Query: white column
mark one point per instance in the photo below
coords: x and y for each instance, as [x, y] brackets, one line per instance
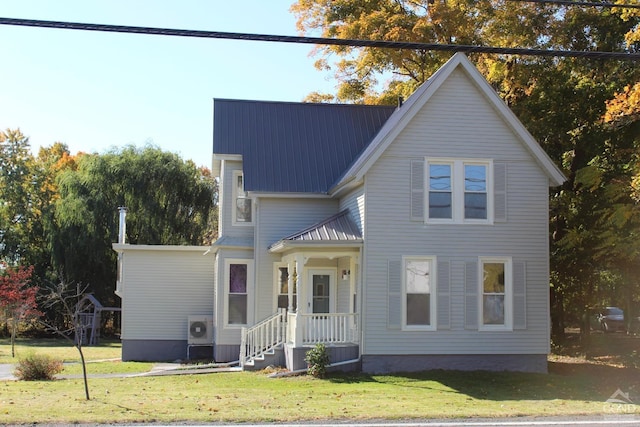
[290, 269]
[352, 283]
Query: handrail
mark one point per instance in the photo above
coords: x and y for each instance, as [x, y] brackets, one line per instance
[328, 328]
[263, 336]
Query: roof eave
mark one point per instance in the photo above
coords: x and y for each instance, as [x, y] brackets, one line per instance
[285, 245]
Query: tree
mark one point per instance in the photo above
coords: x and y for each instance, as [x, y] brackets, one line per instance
[169, 202]
[17, 299]
[16, 194]
[64, 299]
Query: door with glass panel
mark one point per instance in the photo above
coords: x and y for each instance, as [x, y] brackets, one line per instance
[322, 283]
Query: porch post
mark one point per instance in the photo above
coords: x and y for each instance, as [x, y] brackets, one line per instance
[301, 297]
[352, 283]
[290, 269]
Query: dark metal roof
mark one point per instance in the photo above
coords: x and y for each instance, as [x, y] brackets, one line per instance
[339, 227]
[294, 147]
[337, 230]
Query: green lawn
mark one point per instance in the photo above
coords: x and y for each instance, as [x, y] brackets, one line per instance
[59, 349]
[573, 386]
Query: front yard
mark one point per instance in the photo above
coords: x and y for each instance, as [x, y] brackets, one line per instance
[574, 385]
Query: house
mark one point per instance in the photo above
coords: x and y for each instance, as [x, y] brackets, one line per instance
[404, 238]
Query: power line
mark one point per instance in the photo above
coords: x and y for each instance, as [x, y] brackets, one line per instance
[583, 3]
[319, 40]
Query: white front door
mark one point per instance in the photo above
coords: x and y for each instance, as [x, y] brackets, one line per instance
[323, 282]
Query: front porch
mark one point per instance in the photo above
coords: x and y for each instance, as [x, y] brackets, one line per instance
[318, 280]
[284, 338]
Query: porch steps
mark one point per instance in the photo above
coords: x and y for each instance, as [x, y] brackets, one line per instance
[261, 345]
[273, 357]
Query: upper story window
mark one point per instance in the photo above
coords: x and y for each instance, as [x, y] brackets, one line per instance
[460, 191]
[440, 190]
[243, 205]
[475, 191]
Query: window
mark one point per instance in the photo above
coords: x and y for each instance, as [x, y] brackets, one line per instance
[459, 191]
[243, 206]
[475, 191]
[440, 201]
[282, 282]
[237, 281]
[496, 291]
[419, 300]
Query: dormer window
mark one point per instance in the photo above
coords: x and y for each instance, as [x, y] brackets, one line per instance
[243, 206]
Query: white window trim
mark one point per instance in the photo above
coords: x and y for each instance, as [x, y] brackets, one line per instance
[276, 283]
[432, 294]
[227, 267]
[508, 294]
[234, 196]
[457, 190]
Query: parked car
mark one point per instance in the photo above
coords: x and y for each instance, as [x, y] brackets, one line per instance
[611, 319]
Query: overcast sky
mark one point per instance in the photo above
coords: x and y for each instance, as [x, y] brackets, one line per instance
[94, 91]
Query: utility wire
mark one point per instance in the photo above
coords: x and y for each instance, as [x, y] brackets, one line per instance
[319, 40]
[583, 3]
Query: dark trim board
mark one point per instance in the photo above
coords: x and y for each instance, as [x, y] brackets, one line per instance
[382, 364]
[153, 350]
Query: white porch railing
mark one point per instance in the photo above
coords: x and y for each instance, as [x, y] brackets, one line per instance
[326, 328]
[263, 337]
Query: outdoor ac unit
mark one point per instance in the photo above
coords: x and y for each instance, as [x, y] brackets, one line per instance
[200, 330]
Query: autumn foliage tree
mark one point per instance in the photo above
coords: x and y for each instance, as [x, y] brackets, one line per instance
[17, 299]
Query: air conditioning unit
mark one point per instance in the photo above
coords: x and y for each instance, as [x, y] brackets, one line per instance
[200, 330]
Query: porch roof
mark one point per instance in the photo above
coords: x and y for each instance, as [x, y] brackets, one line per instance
[338, 230]
[233, 242]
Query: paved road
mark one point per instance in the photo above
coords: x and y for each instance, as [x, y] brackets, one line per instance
[6, 372]
[594, 421]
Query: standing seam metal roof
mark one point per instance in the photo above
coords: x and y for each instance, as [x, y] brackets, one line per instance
[294, 147]
[339, 227]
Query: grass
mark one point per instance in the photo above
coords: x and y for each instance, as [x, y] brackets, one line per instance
[575, 385]
[58, 348]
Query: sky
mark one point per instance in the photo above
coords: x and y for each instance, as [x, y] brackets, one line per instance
[99, 91]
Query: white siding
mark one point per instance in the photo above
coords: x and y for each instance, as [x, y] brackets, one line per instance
[279, 218]
[161, 288]
[226, 202]
[457, 122]
[354, 202]
[229, 334]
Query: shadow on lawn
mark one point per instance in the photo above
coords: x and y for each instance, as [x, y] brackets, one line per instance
[593, 379]
[585, 382]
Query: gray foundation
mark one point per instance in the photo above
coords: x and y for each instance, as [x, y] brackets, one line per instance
[226, 353]
[295, 357]
[154, 350]
[382, 364]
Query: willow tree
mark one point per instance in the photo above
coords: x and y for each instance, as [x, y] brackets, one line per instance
[170, 202]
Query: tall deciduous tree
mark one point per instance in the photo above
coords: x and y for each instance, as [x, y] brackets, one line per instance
[17, 299]
[169, 201]
[16, 194]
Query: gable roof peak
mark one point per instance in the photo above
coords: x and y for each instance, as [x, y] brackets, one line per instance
[401, 117]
